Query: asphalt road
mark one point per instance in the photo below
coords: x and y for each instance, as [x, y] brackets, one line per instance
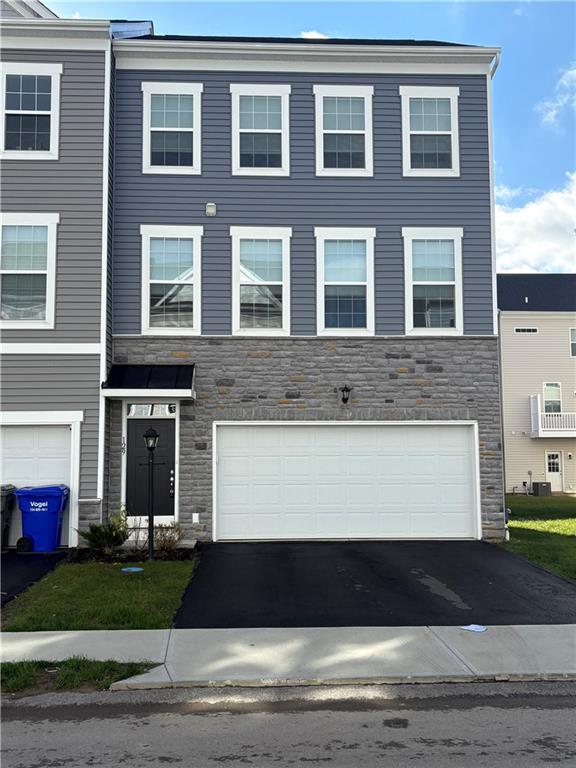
[516, 725]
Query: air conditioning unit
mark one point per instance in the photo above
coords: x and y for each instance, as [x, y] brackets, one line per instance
[542, 489]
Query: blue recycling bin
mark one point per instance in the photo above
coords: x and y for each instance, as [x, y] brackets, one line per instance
[42, 512]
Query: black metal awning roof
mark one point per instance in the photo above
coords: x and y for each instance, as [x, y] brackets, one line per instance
[173, 380]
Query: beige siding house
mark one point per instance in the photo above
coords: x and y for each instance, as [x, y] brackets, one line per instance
[538, 368]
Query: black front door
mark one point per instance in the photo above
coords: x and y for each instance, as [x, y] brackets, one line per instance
[137, 468]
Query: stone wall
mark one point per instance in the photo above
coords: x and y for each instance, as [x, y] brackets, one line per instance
[299, 379]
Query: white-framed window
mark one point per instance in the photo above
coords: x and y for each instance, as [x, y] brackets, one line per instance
[552, 397]
[261, 280]
[28, 270]
[572, 342]
[260, 129]
[345, 281]
[30, 110]
[525, 330]
[171, 280]
[430, 145]
[433, 280]
[344, 130]
[172, 128]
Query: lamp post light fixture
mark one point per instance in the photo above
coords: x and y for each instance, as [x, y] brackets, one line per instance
[346, 390]
[151, 441]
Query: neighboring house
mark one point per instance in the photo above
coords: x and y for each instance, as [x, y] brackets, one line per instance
[291, 220]
[54, 322]
[538, 364]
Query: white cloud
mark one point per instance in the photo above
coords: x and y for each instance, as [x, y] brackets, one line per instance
[518, 11]
[313, 34]
[540, 235]
[564, 98]
[505, 193]
[76, 15]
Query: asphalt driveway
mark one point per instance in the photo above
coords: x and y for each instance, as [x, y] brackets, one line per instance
[362, 584]
[20, 570]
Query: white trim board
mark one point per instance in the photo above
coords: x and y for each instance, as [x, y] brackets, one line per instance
[55, 418]
[50, 348]
[146, 394]
[356, 424]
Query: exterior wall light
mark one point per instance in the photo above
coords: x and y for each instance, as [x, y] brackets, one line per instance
[345, 393]
[211, 209]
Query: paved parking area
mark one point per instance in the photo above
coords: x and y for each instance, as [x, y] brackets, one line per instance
[370, 584]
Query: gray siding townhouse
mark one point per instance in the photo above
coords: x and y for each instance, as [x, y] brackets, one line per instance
[55, 91]
[304, 288]
[277, 253]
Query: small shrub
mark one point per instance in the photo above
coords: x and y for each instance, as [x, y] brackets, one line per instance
[167, 537]
[107, 538]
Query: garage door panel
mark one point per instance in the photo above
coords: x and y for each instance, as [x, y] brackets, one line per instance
[345, 481]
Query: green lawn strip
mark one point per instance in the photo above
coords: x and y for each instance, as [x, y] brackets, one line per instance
[541, 507]
[71, 674]
[100, 596]
[550, 543]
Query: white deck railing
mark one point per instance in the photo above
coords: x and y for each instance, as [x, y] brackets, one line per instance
[543, 424]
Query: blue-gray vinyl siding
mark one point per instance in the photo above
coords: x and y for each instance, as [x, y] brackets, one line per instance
[387, 201]
[71, 186]
[58, 383]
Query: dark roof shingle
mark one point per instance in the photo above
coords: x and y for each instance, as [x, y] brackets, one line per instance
[537, 292]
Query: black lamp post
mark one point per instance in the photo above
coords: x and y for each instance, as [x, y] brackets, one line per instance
[151, 441]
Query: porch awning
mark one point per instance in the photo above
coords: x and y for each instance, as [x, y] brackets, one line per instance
[150, 381]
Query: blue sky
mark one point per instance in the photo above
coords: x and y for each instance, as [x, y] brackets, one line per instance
[534, 88]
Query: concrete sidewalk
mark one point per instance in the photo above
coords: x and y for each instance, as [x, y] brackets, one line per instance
[314, 656]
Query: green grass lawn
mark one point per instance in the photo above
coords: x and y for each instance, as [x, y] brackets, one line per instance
[69, 675]
[543, 529]
[101, 596]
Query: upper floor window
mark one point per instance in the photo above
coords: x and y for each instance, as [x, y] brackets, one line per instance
[260, 130]
[28, 270]
[572, 342]
[433, 280]
[261, 280]
[30, 111]
[345, 281]
[430, 144]
[344, 130]
[171, 140]
[552, 397]
[171, 258]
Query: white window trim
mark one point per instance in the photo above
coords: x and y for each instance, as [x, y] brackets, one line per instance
[357, 91]
[551, 384]
[179, 89]
[410, 234]
[250, 89]
[261, 233]
[408, 92]
[55, 72]
[49, 220]
[571, 341]
[148, 231]
[344, 233]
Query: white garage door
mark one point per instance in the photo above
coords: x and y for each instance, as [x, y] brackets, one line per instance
[358, 481]
[35, 456]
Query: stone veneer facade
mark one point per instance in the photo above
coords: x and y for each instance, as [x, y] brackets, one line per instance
[245, 379]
